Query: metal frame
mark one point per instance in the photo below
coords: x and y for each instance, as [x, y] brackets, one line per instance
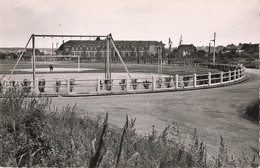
[109, 40]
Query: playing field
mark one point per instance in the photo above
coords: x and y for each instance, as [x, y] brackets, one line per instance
[67, 67]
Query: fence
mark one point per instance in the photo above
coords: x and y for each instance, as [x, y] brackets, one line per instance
[228, 74]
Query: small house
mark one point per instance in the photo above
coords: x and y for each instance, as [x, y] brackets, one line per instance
[186, 49]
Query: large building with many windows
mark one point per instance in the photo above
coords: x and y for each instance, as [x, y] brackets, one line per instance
[97, 48]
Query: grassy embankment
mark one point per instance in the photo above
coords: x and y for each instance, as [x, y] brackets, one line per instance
[34, 134]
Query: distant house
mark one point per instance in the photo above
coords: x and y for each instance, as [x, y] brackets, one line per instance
[186, 49]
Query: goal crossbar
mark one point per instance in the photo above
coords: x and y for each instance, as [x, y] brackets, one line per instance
[80, 36]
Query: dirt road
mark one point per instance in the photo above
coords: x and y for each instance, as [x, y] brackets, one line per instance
[213, 112]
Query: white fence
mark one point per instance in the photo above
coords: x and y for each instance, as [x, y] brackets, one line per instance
[99, 86]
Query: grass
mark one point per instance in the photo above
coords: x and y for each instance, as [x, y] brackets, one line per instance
[34, 134]
[116, 67]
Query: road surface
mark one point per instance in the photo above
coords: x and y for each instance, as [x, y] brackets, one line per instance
[213, 112]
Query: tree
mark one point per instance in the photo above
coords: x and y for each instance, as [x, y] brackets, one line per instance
[201, 53]
[2, 55]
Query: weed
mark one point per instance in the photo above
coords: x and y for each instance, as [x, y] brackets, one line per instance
[34, 135]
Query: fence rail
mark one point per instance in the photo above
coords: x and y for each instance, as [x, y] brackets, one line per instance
[65, 87]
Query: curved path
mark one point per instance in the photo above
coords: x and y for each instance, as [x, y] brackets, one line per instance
[213, 112]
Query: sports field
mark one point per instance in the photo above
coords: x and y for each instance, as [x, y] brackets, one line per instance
[67, 67]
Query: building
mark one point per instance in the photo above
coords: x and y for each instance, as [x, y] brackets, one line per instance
[97, 48]
[186, 49]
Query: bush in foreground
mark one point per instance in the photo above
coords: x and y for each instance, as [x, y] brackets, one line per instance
[251, 110]
[34, 135]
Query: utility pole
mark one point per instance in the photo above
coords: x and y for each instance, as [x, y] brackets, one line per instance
[108, 74]
[51, 49]
[214, 58]
[159, 52]
[33, 58]
[169, 54]
[209, 48]
[170, 44]
[180, 41]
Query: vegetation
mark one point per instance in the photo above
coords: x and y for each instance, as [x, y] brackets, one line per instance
[34, 134]
[134, 83]
[146, 84]
[168, 81]
[108, 84]
[251, 110]
[247, 54]
[122, 84]
[159, 83]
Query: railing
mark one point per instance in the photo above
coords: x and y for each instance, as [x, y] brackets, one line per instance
[230, 74]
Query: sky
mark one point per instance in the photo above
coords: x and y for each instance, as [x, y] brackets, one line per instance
[234, 21]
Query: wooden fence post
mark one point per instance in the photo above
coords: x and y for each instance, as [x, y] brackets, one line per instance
[68, 86]
[229, 76]
[98, 85]
[153, 85]
[235, 75]
[195, 79]
[127, 84]
[209, 78]
[176, 81]
[221, 77]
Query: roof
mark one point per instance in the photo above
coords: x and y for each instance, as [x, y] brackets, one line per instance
[186, 47]
[103, 42]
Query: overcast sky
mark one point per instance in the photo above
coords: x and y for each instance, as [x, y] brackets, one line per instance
[234, 21]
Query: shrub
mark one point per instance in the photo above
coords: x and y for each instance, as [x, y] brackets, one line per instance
[146, 84]
[168, 81]
[26, 84]
[108, 84]
[134, 83]
[159, 83]
[41, 85]
[251, 110]
[57, 85]
[122, 84]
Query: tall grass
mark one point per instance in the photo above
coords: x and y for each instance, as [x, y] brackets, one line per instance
[32, 134]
